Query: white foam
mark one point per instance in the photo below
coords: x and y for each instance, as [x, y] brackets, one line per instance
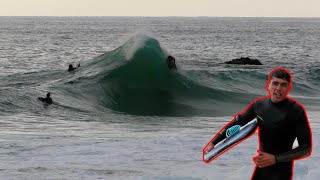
[306, 169]
[136, 41]
[245, 172]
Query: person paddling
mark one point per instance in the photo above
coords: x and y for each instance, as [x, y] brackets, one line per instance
[171, 61]
[71, 68]
[47, 99]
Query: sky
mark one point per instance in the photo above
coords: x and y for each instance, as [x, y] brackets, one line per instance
[220, 8]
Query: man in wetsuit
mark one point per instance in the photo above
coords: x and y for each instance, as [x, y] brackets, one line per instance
[171, 62]
[47, 100]
[280, 121]
[71, 68]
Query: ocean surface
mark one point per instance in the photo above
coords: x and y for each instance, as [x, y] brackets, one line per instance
[123, 114]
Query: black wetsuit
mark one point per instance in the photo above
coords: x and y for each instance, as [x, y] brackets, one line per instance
[47, 100]
[279, 124]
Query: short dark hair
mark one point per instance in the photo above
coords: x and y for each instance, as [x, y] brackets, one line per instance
[281, 73]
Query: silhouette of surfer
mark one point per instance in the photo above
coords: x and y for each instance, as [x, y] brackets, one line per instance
[171, 61]
[71, 68]
[47, 99]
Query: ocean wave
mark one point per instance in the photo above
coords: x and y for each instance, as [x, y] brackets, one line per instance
[135, 79]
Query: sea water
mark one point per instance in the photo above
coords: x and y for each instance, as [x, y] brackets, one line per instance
[123, 114]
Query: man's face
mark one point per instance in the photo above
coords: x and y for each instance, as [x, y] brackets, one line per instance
[278, 89]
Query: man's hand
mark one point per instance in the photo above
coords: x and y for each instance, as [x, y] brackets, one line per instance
[264, 160]
[208, 148]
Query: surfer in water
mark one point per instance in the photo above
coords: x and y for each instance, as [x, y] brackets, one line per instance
[280, 121]
[47, 99]
[171, 61]
[71, 68]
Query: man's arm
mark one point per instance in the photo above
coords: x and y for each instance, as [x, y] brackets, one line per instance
[303, 132]
[241, 119]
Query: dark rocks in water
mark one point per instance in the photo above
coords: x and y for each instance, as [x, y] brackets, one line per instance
[244, 61]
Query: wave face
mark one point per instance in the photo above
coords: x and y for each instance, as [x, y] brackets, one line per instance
[134, 79]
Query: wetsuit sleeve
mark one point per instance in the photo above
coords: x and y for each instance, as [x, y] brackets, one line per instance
[303, 134]
[241, 119]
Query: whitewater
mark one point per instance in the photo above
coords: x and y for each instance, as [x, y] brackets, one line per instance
[123, 114]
